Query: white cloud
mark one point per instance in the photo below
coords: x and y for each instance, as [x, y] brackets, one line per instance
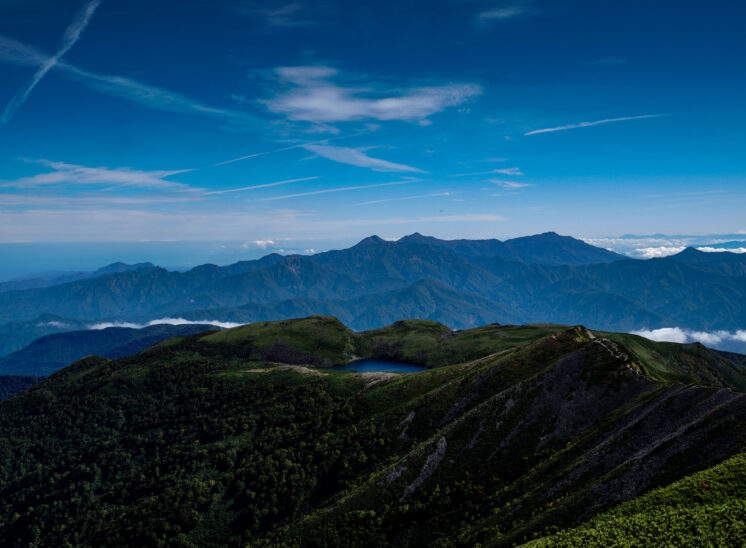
[664, 334]
[679, 335]
[162, 321]
[357, 157]
[509, 184]
[594, 123]
[657, 252]
[503, 13]
[666, 251]
[312, 97]
[261, 244]
[64, 173]
[708, 249]
[54, 323]
[72, 34]
[287, 15]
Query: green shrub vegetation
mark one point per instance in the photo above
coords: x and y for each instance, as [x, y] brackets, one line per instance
[704, 509]
[250, 437]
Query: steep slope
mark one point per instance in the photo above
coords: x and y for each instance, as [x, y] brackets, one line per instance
[468, 248]
[119, 295]
[375, 259]
[52, 352]
[425, 299]
[547, 248]
[704, 509]
[551, 248]
[250, 436]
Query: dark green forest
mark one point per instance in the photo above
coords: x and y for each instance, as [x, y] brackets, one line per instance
[251, 437]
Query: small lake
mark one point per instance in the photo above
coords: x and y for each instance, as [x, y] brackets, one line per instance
[381, 365]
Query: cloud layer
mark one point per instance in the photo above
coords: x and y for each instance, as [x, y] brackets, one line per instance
[679, 335]
[161, 321]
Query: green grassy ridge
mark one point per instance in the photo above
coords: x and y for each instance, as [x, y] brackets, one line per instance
[504, 509]
[674, 362]
[324, 341]
[705, 509]
[202, 441]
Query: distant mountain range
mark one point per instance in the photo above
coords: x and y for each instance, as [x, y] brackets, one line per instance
[461, 283]
[47, 354]
[48, 280]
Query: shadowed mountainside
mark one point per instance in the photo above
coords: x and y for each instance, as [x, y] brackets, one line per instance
[250, 436]
[52, 352]
[461, 283]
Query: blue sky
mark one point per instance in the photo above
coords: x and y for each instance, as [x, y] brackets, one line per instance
[289, 120]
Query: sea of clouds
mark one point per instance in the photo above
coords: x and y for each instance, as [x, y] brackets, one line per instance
[679, 335]
[169, 321]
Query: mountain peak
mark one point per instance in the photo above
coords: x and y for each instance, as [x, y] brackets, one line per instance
[370, 240]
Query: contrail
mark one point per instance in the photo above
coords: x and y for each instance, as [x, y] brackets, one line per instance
[289, 148]
[344, 189]
[594, 123]
[72, 34]
[260, 186]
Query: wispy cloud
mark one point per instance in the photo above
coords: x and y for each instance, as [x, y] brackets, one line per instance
[506, 11]
[72, 34]
[502, 171]
[330, 190]
[509, 184]
[500, 14]
[72, 174]
[594, 123]
[313, 97]
[417, 197]
[290, 147]
[285, 15]
[278, 183]
[356, 157]
[100, 199]
[129, 89]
